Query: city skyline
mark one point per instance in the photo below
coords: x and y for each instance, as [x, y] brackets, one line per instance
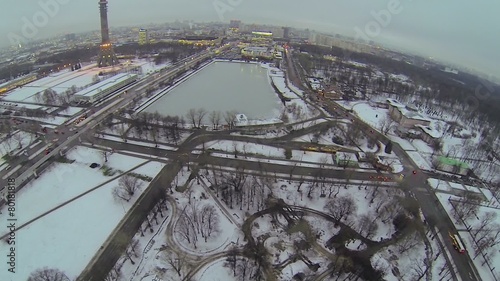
[463, 37]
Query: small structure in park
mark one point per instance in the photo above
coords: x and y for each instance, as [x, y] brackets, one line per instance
[452, 165]
[346, 159]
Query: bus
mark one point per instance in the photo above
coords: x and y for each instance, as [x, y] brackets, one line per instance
[457, 243]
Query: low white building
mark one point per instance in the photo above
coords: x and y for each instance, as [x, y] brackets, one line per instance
[429, 135]
[257, 52]
[406, 117]
[346, 159]
[104, 88]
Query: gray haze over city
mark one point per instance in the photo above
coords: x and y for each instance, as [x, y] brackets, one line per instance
[462, 33]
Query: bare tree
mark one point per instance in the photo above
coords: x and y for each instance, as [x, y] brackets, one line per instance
[49, 97]
[200, 114]
[409, 242]
[127, 186]
[191, 116]
[154, 135]
[105, 154]
[134, 247]
[367, 225]
[19, 137]
[486, 220]
[385, 124]
[209, 221]
[341, 207]
[38, 97]
[156, 117]
[122, 131]
[229, 117]
[465, 208]
[177, 261]
[187, 229]
[354, 134]
[130, 184]
[390, 209]
[48, 274]
[215, 117]
[419, 268]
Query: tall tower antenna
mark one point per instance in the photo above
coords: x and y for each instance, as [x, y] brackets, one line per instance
[107, 56]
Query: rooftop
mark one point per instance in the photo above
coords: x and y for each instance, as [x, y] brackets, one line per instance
[430, 131]
[453, 162]
[105, 84]
[395, 103]
[412, 114]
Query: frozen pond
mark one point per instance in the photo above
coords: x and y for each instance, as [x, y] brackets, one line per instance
[223, 86]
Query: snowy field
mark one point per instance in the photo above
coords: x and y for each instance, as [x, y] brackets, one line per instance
[85, 222]
[370, 115]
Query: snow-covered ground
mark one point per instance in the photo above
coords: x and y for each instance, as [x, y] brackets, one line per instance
[279, 80]
[84, 223]
[18, 139]
[215, 272]
[474, 222]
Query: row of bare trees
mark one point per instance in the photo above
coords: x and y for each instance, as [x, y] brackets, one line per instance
[243, 269]
[486, 233]
[51, 97]
[196, 117]
[198, 220]
[239, 189]
[48, 274]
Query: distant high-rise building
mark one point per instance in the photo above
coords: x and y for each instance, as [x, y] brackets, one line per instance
[107, 56]
[286, 32]
[143, 36]
[70, 37]
[235, 24]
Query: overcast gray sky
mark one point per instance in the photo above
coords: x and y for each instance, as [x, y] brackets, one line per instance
[456, 31]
